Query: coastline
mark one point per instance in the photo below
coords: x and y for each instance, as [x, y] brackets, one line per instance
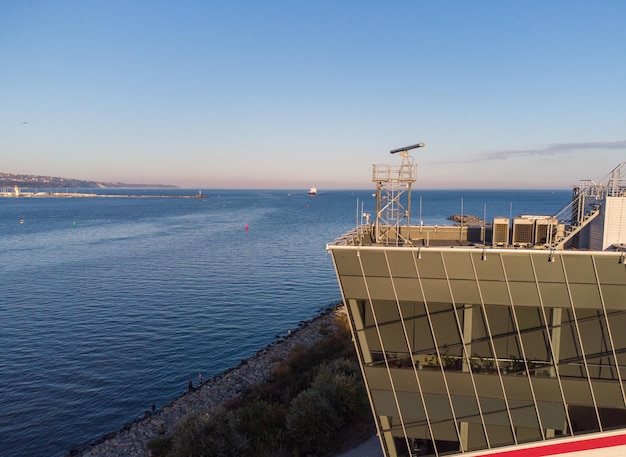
[132, 439]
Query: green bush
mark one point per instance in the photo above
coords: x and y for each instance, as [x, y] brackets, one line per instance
[215, 434]
[312, 421]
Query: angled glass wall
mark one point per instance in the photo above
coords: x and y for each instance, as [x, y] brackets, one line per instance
[464, 351]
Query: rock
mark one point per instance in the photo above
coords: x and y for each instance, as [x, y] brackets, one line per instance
[466, 219]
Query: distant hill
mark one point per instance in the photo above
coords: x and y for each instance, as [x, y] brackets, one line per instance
[50, 182]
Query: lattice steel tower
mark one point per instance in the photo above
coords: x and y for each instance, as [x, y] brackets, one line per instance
[393, 198]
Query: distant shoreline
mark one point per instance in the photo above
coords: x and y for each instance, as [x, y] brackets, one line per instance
[90, 195]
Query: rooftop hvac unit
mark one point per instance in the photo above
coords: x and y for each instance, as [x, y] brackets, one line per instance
[543, 227]
[500, 236]
[523, 229]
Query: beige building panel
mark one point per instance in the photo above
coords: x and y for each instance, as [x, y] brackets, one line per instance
[407, 289]
[524, 293]
[614, 297]
[353, 287]
[431, 264]
[518, 267]
[436, 290]
[380, 288]
[580, 269]
[610, 270]
[465, 292]
[548, 271]
[586, 296]
[489, 269]
[347, 262]
[494, 293]
[374, 263]
[402, 263]
[554, 295]
[458, 265]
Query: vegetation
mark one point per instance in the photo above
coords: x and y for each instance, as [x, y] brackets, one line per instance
[314, 400]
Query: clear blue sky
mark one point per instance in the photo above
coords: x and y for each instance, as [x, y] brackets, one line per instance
[290, 94]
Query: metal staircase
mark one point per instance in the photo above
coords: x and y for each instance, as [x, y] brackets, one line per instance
[586, 206]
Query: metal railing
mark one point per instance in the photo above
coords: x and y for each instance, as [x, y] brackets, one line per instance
[585, 205]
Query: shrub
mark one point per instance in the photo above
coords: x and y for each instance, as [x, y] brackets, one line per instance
[312, 422]
[215, 434]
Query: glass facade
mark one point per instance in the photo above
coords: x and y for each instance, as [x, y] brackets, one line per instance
[464, 350]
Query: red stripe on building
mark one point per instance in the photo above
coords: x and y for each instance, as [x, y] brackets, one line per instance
[563, 448]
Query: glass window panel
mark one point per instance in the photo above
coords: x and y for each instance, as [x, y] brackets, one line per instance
[571, 363]
[553, 417]
[371, 338]
[385, 311]
[524, 417]
[446, 431]
[617, 323]
[411, 309]
[607, 394]
[499, 320]
[537, 350]
[621, 362]
[584, 419]
[393, 338]
[529, 318]
[411, 406]
[420, 336]
[357, 310]
[446, 330]
[384, 403]
[476, 436]
[499, 435]
[612, 418]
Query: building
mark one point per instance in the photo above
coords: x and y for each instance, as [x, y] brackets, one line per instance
[507, 340]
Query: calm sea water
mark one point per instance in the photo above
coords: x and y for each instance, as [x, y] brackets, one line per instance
[110, 305]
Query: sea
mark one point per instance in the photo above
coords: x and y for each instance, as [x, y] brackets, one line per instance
[110, 305]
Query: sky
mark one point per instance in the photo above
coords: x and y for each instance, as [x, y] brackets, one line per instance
[293, 94]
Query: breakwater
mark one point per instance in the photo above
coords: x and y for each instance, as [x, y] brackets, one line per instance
[133, 438]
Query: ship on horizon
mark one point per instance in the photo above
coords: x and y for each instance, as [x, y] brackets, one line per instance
[492, 340]
[313, 191]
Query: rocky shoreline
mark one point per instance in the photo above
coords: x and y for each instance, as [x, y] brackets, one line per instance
[133, 438]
